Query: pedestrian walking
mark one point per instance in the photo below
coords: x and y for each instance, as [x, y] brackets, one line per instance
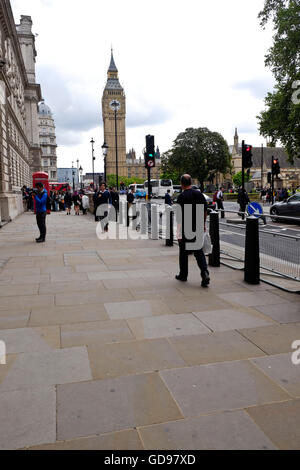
[115, 200]
[103, 199]
[243, 200]
[68, 202]
[85, 203]
[130, 202]
[77, 202]
[190, 197]
[219, 201]
[168, 199]
[41, 197]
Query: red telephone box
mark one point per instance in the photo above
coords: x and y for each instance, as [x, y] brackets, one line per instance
[43, 178]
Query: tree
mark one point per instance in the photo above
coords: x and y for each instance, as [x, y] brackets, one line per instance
[237, 178]
[112, 180]
[281, 119]
[199, 152]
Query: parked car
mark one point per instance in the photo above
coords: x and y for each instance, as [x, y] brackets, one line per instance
[288, 208]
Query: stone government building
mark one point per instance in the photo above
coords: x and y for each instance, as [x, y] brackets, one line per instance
[20, 152]
[128, 165]
[289, 174]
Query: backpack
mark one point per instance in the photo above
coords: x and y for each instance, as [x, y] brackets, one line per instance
[215, 196]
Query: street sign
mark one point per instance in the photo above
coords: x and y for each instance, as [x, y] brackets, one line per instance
[255, 209]
[150, 163]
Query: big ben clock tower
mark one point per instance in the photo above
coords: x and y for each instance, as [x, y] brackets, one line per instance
[114, 99]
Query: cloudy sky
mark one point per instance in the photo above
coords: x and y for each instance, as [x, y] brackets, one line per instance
[182, 64]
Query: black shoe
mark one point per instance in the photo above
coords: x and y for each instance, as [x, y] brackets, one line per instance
[38, 239]
[41, 240]
[205, 279]
[182, 279]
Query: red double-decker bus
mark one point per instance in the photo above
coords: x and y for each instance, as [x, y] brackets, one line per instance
[60, 187]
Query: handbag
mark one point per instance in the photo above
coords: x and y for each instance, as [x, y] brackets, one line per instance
[207, 246]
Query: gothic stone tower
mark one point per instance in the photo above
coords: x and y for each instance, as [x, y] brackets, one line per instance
[114, 91]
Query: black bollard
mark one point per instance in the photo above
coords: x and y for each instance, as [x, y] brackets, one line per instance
[169, 227]
[214, 257]
[252, 262]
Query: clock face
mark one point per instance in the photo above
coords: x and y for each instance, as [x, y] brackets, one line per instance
[115, 105]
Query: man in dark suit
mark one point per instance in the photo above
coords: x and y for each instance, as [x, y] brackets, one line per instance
[190, 197]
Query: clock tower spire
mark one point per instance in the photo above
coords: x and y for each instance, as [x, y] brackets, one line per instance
[113, 92]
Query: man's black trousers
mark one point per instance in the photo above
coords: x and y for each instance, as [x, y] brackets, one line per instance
[184, 260]
[41, 222]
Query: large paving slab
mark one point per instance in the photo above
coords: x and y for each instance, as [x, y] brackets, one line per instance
[253, 299]
[221, 431]
[67, 315]
[25, 301]
[95, 333]
[220, 387]
[136, 309]
[281, 369]
[47, 368]
[22, 340]
[67, 287]
[287, 313]
[280, 422]
[27, 418]
[135, 357]
[166, 326]
[274, 339]
[217, 347]
[205, 301]
[112, 405]
[232, 319]
[121, 440]
[93, 297]
[14, 319]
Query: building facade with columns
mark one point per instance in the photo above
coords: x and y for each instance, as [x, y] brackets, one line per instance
[19, 95]
[128, 165]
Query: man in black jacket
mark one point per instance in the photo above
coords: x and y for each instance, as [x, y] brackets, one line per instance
[187, 225]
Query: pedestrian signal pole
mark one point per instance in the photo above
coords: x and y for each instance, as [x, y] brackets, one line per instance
[149, 160]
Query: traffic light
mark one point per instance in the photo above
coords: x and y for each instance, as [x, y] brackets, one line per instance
[150, 152]
[247, 156]
[269, 177]
[275, 166]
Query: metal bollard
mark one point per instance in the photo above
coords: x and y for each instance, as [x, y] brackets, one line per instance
[252, 261]
[214, 257]
[154, 222]
[169, 226]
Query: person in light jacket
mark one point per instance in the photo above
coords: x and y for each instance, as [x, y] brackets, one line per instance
[85, 203]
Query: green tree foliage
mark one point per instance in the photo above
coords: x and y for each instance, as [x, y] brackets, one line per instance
[281, 119]
[198, 152]
[237, 178]
[112, 180]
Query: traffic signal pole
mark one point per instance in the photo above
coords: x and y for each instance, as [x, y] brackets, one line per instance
[243, 165]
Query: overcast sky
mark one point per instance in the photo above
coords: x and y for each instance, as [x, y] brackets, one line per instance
[182, 64]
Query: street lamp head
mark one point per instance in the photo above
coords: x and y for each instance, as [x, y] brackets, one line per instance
[92, 141]
[104, 149]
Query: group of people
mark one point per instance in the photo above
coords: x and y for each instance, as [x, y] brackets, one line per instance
[278, 195]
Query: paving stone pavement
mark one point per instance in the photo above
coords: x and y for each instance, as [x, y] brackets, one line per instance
[106, 350]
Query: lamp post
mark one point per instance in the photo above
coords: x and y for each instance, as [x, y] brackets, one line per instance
[115, 106]
[80, 172]
[104, 151]
[73, 175]
[93, 160]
